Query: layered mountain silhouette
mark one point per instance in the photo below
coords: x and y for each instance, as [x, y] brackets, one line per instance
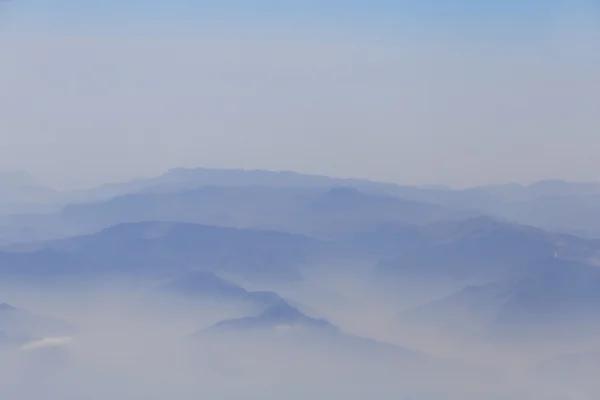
[505, 264]
[283, 324]
[305, 210]
[262, 225]
[157, 247]
[482, 249]
[283, 331]
[280, 315]
[571, 207]
[182, 179]
[201, 285]
[470, 250]
[559, 300]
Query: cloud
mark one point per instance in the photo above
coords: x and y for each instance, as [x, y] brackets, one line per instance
[47, 343]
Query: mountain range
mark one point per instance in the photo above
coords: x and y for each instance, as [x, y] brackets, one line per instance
[513, 253]
[313, 211]
[569, 207]
[151, 248]
[558, 299]
[207, 286]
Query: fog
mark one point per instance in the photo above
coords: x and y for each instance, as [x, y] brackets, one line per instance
[130, 344]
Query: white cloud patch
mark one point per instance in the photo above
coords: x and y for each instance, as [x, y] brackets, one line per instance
[47, 343]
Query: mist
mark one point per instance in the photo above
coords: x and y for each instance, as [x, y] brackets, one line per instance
[132, 340]
[125, 347]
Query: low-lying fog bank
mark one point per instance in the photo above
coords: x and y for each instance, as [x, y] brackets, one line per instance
[122, 341]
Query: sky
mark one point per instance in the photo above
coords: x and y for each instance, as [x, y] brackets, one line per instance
[458, 93]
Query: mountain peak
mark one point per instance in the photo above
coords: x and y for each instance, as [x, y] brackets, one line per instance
[275, 316]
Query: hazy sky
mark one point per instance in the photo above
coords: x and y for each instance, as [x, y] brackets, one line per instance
[444, 92]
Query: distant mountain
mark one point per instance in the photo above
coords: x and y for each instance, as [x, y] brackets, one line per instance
[482, 249]
[186, 179]
[575, 214]
[557, 299]
[570, 207]
[233, 207]
[134, 206]
[151, 248]
[284, 333]
[281, 315]
[344, 209]
[190, 178]
[473, 250]
[203, 285]
[288, 325]
[311, 211]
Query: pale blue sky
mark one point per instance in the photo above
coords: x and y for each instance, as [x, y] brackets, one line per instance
[500, 16]
[277, 7]
[449, 92]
